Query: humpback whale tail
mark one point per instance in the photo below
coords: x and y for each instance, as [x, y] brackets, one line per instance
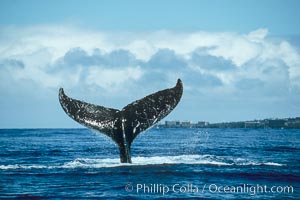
[122, 126]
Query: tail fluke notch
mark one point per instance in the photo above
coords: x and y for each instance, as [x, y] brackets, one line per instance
[123, 125]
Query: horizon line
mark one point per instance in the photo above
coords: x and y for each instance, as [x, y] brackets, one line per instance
[159, 123]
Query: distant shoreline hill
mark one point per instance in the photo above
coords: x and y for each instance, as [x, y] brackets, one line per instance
[286, 123]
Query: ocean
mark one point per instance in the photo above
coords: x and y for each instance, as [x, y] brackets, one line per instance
[167, 163]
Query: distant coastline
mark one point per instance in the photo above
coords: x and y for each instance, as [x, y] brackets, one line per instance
[285, 123]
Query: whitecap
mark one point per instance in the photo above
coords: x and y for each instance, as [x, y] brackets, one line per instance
[273, 164]
[143, 161]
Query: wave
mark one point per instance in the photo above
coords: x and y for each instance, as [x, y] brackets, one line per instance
[143, 161]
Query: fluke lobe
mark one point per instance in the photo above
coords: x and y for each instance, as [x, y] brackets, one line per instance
[123, 125]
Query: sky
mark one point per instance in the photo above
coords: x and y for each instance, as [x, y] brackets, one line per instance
[238, 60]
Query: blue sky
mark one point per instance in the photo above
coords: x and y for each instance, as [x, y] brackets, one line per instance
[279, 16]
[239, 60]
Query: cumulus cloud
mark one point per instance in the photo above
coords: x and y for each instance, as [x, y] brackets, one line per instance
[221, 65]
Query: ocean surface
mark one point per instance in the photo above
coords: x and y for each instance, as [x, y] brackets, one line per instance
[167, 163]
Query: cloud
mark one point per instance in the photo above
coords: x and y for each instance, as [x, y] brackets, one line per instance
[211, 63]
[166, 59]
[115, 58]
[12, 64]
[249, 84]
[102, 77]
[220, 65]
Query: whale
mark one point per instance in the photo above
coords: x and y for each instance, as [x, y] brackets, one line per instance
[124, 125]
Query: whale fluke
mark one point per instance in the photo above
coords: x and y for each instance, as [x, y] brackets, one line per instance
[123, 125]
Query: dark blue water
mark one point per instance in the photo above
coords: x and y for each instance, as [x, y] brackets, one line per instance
[168, 163]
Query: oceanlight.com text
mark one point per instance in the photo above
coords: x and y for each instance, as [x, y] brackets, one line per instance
[163, 189]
